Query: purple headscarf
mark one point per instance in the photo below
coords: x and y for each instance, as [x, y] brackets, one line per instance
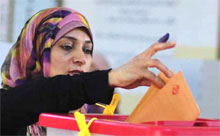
[29, 57]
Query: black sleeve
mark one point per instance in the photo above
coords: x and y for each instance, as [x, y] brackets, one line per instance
[21, 106]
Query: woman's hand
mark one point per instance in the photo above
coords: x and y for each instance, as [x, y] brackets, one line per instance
[136, 73]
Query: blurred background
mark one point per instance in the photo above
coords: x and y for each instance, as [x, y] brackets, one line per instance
[124, 28]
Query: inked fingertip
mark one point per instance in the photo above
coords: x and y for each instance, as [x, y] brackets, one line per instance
[164, 38]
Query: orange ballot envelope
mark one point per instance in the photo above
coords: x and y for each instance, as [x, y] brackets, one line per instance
[172, 102]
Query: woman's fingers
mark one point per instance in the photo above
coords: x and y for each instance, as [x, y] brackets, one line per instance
[145, 83]
[158, 47]
[148, 75]
[155, 63]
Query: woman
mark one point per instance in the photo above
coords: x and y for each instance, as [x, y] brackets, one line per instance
[47, 70]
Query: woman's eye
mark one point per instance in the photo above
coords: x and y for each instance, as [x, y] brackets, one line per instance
[87, 51]
[67, 47]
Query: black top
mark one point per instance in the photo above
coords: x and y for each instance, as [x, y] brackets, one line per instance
[21, 106]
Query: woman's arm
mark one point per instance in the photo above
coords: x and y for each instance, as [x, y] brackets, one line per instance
[21, 106]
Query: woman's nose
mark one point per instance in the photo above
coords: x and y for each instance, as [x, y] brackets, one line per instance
[79, 57]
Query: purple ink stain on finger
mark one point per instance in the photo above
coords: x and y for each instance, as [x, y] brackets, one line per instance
[164, 38]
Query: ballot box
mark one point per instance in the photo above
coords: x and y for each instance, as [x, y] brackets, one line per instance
[66, 124]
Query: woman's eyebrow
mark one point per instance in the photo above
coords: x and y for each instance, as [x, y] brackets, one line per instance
[69, 37]
[73, 38]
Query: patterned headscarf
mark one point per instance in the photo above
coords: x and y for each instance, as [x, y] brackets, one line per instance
[29, 57]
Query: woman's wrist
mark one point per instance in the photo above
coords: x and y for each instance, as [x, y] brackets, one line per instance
[112, 78]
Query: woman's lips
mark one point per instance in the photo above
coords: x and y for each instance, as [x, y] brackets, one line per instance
[73, 72]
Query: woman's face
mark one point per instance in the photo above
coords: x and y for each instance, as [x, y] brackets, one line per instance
[71, 54]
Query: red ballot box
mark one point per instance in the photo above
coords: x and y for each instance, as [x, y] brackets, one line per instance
[65, 124]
